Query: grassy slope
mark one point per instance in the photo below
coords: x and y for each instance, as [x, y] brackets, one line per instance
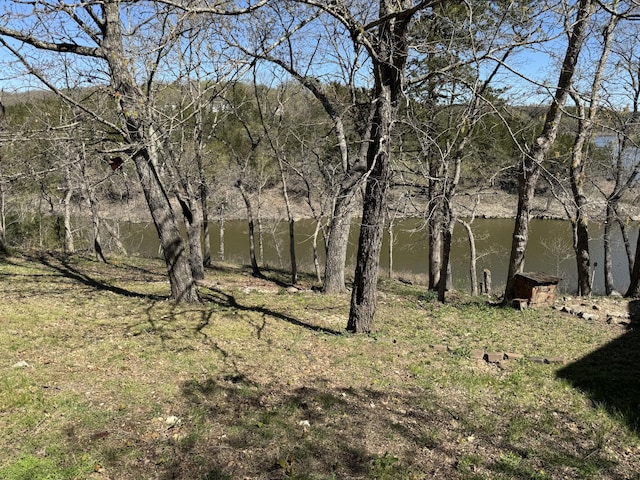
[260, 383]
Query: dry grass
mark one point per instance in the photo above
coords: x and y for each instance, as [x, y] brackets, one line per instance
[261, 383]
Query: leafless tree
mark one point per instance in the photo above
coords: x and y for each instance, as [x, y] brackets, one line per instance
[533, 158]
[95, 31]
[586, 117]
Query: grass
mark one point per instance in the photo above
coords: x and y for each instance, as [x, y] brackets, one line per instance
[260, 383]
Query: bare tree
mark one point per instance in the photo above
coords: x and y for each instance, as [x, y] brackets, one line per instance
[533, 158]
[586, 116]
[272, 112]
[621, 138]
[95, 31]
[344, 171]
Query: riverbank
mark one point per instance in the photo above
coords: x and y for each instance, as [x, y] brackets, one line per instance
[482, 203]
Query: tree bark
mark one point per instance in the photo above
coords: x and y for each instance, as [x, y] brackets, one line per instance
[580, 222]
[314, 245]
[634, 285]
[363, 296]
[473, 257]
[608, 255]
[624, 232]
[66, 202]
[221, 238]
[337, 243]
[577, 168]
[3, 219]
[434, 229]
[391, 234]
[192, 213]
[206, 236]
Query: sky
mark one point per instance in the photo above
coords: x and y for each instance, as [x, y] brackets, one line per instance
[534, 64]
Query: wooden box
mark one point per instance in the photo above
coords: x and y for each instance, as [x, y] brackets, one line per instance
[538, 289]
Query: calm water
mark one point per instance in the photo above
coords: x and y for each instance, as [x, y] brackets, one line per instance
[549, 250]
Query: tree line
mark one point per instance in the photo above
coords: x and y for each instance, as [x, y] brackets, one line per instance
[341, 105]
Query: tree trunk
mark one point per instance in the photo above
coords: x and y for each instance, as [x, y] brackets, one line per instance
[624, 232]
[292, 251]
[434, 232]
[582, 256]
[92, 203]
[390, 231]
[473, 257]
[577, 168]
[66, 202]
[292, 236]
[608, 256]
[316, 262]
[206, 237]
[532, 160]
[221, 238]
[389, 68]
[3, 219]
[634, 285]
[252, 233]
[3, 192]
[363, 296]
[445, 270]
[580, 223]
[192, 212]
[176, 256]
[527, 178]
[132, 104]
[337, 243]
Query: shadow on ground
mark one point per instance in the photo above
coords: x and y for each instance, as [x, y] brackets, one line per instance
[611, 374]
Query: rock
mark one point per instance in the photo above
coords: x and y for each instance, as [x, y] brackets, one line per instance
[172, 421]
[21, 364]
[586, 316]
[554, 360]
[292, 290]
[520, 303]
[477, 354]
[513, 356]
[494, 357]
[536, 359]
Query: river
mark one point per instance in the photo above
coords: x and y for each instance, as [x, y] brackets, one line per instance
[549, 249]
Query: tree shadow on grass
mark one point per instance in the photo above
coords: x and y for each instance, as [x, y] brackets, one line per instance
[610, 376]
[226, 300]
[62, 264]
[319, 431]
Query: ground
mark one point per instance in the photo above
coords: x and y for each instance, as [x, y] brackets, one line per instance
[104, 378]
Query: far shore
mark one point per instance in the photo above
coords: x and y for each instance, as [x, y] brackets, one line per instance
[479, 203]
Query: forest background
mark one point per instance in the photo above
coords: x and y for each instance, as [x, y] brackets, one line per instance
[343, 110]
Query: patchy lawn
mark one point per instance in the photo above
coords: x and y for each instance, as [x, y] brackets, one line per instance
[102, 377]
